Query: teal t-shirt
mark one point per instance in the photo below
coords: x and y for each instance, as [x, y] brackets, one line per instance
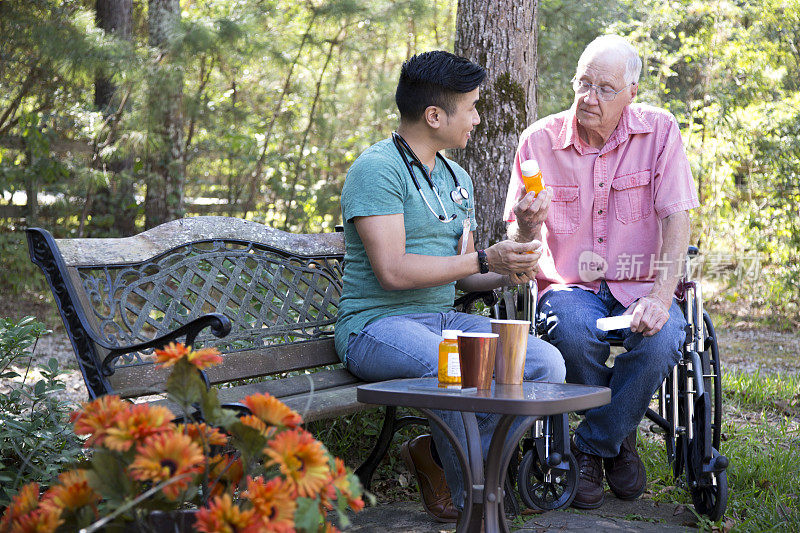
[378, 183]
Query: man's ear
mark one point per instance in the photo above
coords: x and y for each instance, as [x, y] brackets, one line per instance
[433, 116]
[634, 89]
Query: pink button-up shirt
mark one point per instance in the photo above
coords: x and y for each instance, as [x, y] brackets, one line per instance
[604, 221]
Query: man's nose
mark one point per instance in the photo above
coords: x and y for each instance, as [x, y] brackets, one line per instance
[476, 119]
[591, 97]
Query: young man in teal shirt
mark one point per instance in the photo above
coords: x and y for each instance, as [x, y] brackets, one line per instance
[409, 244]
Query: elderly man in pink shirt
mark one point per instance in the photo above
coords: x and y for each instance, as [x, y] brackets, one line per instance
[615, 226]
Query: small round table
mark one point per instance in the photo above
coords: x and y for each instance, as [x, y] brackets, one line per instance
[530, 400]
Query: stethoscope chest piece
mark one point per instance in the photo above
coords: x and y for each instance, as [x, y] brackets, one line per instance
[459, 194]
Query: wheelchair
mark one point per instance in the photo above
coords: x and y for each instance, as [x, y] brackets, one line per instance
[688, 412]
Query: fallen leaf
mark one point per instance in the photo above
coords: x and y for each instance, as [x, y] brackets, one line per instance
[678, 510]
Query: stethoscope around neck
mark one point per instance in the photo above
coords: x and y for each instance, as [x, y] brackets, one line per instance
[458, 195]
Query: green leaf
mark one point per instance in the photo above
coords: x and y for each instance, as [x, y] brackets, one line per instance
[307, 516]
[108, 476]
[39, 388]
[184, 384]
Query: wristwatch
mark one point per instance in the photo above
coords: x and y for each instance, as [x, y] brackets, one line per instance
[483, 263]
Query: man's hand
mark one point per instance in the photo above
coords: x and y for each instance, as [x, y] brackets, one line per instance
[531, 211]
[649, 315]
[519, 260]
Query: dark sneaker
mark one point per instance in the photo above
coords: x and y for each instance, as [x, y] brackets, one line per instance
[589, 492]
[430, 478]
[625, 473]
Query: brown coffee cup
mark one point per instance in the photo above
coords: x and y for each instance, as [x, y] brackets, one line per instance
[477, 352]
[512, 348]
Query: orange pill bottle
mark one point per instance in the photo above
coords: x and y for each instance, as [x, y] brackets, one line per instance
[449, 360]
[532, 176]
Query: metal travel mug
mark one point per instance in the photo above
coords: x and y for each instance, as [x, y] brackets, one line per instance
[477, 351]
[512, 347]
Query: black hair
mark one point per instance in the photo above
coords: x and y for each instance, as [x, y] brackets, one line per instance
[434, 79]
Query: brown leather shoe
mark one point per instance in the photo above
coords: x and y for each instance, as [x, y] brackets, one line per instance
[589, 493]
[430, 478]
[625, 473]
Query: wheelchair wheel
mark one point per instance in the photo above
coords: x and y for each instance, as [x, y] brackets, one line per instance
[712, 350]
[546, 488]
[709, 491]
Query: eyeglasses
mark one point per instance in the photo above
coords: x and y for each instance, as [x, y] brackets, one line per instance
[603, 92]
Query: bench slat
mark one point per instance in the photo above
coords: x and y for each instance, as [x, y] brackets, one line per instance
[141, 380]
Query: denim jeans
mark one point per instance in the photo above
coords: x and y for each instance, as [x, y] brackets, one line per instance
[570, 316]
[407, 346]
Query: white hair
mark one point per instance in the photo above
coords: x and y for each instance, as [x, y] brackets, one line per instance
[633, 63]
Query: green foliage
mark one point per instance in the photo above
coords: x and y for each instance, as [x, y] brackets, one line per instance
[35, 443]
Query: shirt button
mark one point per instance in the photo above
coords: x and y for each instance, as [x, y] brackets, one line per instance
[602, 184]
[600, 212]
[599, 239]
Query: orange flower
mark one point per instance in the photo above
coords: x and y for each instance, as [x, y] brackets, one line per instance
[95, 417]
[173, 353]
[258, 424]
[223, 516]
[302, 460]
[272, 411]
[41, 520]
[341, 482]
[167, 455]
[273, 503]
[137, 423]
[225, 472]
[204, 435]
[72, 492]
[26, 500]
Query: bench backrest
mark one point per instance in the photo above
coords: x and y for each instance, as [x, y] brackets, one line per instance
[279, 290]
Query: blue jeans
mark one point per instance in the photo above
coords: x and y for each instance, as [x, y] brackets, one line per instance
[407, 346]
[570, 316]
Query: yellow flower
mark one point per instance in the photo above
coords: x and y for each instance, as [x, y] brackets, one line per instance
[173, 353]
[96, 417]
[301, 459]
[137, 423]
[167, 455]
[223, 516]
[72, 492]
[272, 411]
[272, 502]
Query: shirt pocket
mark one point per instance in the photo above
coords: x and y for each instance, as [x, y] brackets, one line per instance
[633, 197]
[564, 209]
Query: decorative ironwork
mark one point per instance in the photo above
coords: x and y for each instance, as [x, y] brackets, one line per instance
[40, 247]
[270, 296]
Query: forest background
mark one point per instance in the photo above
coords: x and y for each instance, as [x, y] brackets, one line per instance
[256, 109]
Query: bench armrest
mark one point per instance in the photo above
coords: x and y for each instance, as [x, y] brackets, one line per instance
[220, 327]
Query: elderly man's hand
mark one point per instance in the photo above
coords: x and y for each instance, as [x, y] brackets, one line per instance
[519, 260]
[531, 210]
[649, 315]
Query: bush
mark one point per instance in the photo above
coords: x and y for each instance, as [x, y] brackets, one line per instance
[35, 438]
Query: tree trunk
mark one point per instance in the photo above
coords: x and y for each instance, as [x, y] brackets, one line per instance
[165, 162]
[501, 36]
[117, 201]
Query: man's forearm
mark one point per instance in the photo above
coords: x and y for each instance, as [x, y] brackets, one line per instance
[519, 233]
[482, 282]
[675, 231]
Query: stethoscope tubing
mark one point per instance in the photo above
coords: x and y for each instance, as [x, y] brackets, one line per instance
[403, 147]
